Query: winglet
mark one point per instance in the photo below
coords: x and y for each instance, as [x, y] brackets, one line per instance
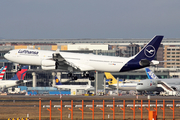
[150, 74]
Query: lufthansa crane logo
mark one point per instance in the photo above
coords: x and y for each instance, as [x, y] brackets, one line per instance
[149, 51]
[57, 80]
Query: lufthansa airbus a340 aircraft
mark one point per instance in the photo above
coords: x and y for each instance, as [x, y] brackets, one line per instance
[71, 62]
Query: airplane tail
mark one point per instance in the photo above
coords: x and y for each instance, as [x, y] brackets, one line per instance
[57, 81]
[150, 74]
[20, 74]
[149, 51]
[111, 78]
[2, 71]
[145, 56]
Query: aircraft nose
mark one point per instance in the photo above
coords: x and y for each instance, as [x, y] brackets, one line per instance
[138, 88]
[6, 56]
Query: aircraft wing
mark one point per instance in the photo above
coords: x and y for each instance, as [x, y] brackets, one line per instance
[62, 63]
[84, 67]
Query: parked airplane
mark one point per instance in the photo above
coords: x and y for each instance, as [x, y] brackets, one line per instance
[15, 80]
[141, 86]
[2, 71]
[122, 84]
[59, 85]
[86, 63]
[156, 84]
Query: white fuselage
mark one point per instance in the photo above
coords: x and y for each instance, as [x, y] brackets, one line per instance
[147, 85]
[151, 84]
[85, 62]
[85, 87]
[126, 86]
[31, 59]
[7, 83]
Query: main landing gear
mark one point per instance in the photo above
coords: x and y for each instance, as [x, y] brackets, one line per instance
[73, 77]
[84, 75]
[88, 75]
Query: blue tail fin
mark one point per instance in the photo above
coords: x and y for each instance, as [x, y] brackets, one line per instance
[145, 56]
[150, 74]
[57, 81]
[149, 51]
[20, 74]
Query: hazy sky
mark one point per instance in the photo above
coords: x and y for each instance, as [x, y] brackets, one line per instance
[36, 19]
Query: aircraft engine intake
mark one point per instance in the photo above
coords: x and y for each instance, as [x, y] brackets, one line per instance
[48, 64]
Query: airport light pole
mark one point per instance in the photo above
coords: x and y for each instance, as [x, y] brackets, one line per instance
[96, 82]
[117, 86]
[96, 77]
[104, 85]
[34, 79]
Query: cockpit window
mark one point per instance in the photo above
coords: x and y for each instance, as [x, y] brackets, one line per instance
[140, 83]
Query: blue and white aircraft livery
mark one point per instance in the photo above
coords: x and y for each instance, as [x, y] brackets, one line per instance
[50, 60]
[150, 74]
[151, 84]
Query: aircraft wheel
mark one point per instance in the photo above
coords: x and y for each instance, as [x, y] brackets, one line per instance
[74, 77]
[69, 74]
[91, 78]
